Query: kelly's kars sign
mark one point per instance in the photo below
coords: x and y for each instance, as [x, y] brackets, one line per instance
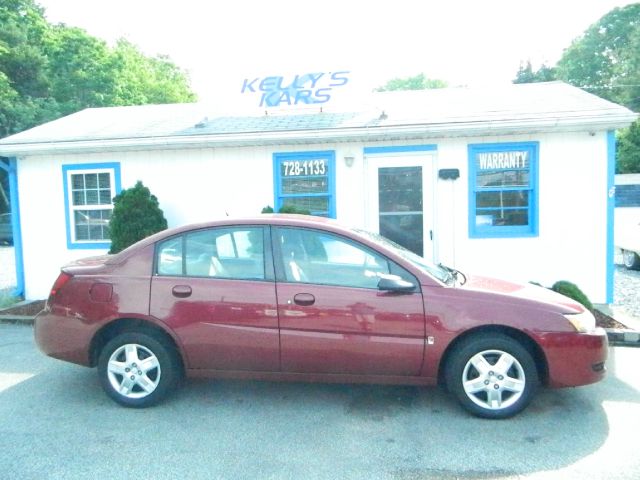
[301, 89]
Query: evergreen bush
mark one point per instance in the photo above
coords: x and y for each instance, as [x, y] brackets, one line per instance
[287, 209]
[136, 215]
[571, 290]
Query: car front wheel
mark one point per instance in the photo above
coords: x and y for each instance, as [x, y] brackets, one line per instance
[138, 369]
[492, 376]
[631, 260]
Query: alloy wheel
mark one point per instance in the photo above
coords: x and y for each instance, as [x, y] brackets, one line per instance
[493, 379]
[133, 371]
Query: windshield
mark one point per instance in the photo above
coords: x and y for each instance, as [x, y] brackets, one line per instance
[426, 266]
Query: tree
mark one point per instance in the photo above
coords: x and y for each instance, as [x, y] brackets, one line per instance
[417, 82]
[22, 33]
[140, 80]
[78, 69]
[527, 75]
[628, 149]
[23, 84]
[136, 215]
[47, 71]
[605, 61]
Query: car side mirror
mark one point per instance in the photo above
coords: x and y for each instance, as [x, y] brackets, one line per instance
[393, 283]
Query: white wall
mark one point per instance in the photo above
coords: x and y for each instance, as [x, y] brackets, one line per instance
[571, 244]
[204, 184]
[191, 186]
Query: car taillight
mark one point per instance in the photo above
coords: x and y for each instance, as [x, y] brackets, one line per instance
[62, 279]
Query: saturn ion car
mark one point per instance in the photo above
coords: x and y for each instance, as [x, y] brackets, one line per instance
[300, 298]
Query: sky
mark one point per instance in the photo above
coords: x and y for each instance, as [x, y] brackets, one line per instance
[222, 43]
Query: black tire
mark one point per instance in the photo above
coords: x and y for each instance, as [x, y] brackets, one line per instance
[631, 260]
[515, 386]
[153, 353]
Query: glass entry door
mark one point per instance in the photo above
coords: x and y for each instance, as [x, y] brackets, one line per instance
[400, 201]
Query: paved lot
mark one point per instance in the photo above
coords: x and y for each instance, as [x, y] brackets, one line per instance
[55, 422]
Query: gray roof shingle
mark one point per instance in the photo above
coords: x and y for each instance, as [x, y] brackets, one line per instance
[528, 104]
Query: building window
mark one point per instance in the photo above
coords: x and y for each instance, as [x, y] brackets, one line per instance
[627, 195]
[503, 190]
[306, 180]
[89, 190]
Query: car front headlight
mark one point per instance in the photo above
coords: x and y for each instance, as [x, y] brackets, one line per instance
[583, 322]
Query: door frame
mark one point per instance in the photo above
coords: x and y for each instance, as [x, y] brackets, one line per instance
[425, 158]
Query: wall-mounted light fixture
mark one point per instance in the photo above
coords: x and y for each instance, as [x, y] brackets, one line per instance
[349, 158]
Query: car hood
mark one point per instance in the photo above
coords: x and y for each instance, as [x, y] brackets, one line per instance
[523, 291]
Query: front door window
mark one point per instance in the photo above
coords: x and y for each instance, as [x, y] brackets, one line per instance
[400, 200]
[400, 206]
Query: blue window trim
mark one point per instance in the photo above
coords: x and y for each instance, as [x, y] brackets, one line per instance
[400, 149]
[115, 166]
[611, 176]
[329, 155]
[530, 230]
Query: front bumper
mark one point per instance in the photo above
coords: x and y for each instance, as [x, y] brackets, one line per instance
[575, 359]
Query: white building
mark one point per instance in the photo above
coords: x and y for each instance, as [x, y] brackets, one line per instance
[515, 182]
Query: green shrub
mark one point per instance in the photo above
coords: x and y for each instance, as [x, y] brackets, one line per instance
[287, 209]
[136, 215]
[293, 209]
[571, 290]
[7, 299]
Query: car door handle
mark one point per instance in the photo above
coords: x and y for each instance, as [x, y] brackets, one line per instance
[304, 299]
[181, 291]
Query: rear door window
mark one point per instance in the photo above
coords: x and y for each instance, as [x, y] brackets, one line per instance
[232, 253]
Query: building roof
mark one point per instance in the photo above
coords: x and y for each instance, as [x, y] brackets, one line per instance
[404, 115]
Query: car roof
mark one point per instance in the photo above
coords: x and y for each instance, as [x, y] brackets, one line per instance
[278, 219]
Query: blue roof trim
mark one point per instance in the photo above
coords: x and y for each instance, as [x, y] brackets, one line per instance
[400, 149]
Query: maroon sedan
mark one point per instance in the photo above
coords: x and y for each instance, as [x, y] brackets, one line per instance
[304, 299]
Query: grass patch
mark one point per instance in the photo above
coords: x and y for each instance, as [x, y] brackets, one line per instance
[7, 299]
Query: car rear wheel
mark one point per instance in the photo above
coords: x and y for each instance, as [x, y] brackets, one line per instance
[492, 376]
[631, 260]
[138, 369]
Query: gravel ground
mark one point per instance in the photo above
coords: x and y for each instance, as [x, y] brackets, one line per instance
[627, 290]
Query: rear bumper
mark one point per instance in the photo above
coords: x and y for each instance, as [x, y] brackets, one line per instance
[63, 337]
[575, 358]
